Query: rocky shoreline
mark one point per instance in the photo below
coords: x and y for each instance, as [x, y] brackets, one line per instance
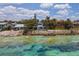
[54, 32]
[11, 33]
[43, 32]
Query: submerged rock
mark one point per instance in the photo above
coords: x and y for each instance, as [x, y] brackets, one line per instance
[11, 46]
[52, 52]
[63, 48]
[40, 48]
[28, 47]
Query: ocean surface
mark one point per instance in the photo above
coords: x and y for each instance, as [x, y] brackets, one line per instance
[61, 45]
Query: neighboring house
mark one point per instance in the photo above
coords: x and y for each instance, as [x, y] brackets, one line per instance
[2, 26]
[19, 27]
[76, 24]
[39, 26]
[13, 25]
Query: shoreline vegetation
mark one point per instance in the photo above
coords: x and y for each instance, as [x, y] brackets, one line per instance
[46, 27]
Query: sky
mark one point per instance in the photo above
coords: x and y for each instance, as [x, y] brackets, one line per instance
[19, 11]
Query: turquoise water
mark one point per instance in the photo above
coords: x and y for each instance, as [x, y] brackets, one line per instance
[60, 46]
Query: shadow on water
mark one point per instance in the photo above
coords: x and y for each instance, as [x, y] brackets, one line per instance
[66, 48]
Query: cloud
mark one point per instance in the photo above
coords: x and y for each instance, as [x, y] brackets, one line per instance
[42, 12]
[30, 13]
[63, 9]
[75, 16]
[12, 12]
[8, 9]
[58, 17]
[1, 13]
[46, 5]
[6, 4]
[64, 12]
[62, 6]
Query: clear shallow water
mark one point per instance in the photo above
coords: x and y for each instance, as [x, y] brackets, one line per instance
[40, 46]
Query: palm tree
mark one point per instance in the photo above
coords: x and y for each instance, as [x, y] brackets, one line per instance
[54, 23]
[67, 24]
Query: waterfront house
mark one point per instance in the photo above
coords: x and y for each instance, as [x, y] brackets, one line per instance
[19, 27]
[11, 25]
[39, 26]
[76, 23]
[2, 26]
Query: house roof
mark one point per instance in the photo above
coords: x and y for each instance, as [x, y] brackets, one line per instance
[2, 23]
[76, 23]
[40, 26]
[19, 25]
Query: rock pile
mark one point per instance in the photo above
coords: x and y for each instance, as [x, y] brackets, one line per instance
[11, 33]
